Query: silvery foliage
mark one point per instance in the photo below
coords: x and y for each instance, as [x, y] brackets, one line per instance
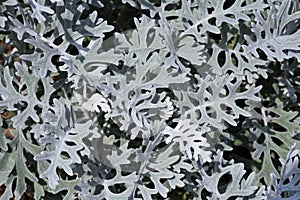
[102, 112]
[287, 186]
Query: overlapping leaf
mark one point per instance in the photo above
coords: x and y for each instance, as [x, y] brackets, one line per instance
[287, 186]
[62, 142]
[11, 97]
[236, 186]
[278, 133]
[214, 101]
[208, 16]
[276, 34]
[15, 168]
[191, 141]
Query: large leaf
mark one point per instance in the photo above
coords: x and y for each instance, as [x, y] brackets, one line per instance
[191, 141]
[62, 142]
[287, 187]
[278, 137]
[14, 96]
[276, 34]
[209, 15]
[15, 167]
[213, 101]
[234, 185]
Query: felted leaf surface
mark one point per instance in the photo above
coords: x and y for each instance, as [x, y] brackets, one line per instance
[95, 101]
[140, 42]
[200, 14]
[144, 114]
[11, 96]
[215, 101]
[191, 141]
[117, 186]
[71, 30]
[38, 9]
[14, 167]
[227, 57]
[276, 34]
[287, 186]
[235, 186]
[278, 137]
[62, 142]
[161, 170]
[134, 97]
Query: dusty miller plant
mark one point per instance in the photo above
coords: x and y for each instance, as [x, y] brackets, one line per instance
[144, 99]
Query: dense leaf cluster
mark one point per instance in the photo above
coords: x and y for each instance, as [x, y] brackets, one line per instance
[145, 99]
